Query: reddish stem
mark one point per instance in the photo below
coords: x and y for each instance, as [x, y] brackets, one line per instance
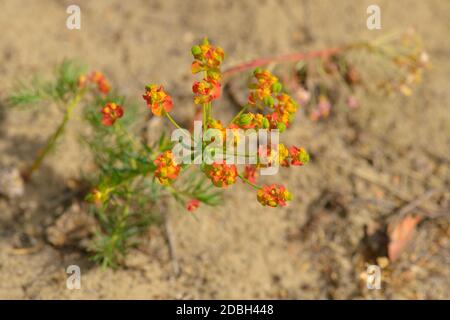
[283, 58]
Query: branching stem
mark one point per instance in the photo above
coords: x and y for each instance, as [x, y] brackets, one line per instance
[54, 138]
[248, 182]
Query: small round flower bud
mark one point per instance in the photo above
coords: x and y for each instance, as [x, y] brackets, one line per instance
[257, 70]
[281, 126]
[268, 101]
[245, 119]
[196, 50]
[276, 87]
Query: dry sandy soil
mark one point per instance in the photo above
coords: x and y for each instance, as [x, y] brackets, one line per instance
[314, 248]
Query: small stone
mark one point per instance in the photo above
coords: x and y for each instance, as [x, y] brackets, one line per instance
[11, 183]
[383, 262]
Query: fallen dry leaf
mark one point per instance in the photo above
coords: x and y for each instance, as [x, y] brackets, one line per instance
[400, 235]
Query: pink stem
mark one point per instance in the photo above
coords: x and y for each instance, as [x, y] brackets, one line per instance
[283, 58]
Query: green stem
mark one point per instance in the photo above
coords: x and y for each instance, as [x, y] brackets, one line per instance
[208, 112]
[172, 120]
[248, 182]
[239, 155]
[52, 140]
[239, 114]
[204, 117]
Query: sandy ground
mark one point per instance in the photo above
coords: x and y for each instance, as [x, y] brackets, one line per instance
[315, 248]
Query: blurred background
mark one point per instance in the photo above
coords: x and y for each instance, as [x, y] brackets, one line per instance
[374, 170]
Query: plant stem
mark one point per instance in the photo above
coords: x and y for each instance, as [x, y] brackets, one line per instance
[204, 117]
[294, 57]
[283, 58]
[239, 114]
[248, 182]
[178, 126]
[52, 140]
[208, 112]
[172, 120]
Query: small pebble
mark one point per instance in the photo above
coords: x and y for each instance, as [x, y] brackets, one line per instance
[11, 183]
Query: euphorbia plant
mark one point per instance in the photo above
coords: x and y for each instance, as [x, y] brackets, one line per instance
[272, 110]
[132, 177]
[392, 63]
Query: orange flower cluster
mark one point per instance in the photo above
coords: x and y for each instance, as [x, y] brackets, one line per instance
[266, 92]
[299, 156]
[192, 205]
[273, 195]
[158, 101]
[111, 112]
[221, 174]
[265, 87]
[284, 112]
[206, 90]
[208, 60]
[167, 169]
[97, 78]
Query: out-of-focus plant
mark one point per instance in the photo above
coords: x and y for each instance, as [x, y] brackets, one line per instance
[124, 196]
[386, 65]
